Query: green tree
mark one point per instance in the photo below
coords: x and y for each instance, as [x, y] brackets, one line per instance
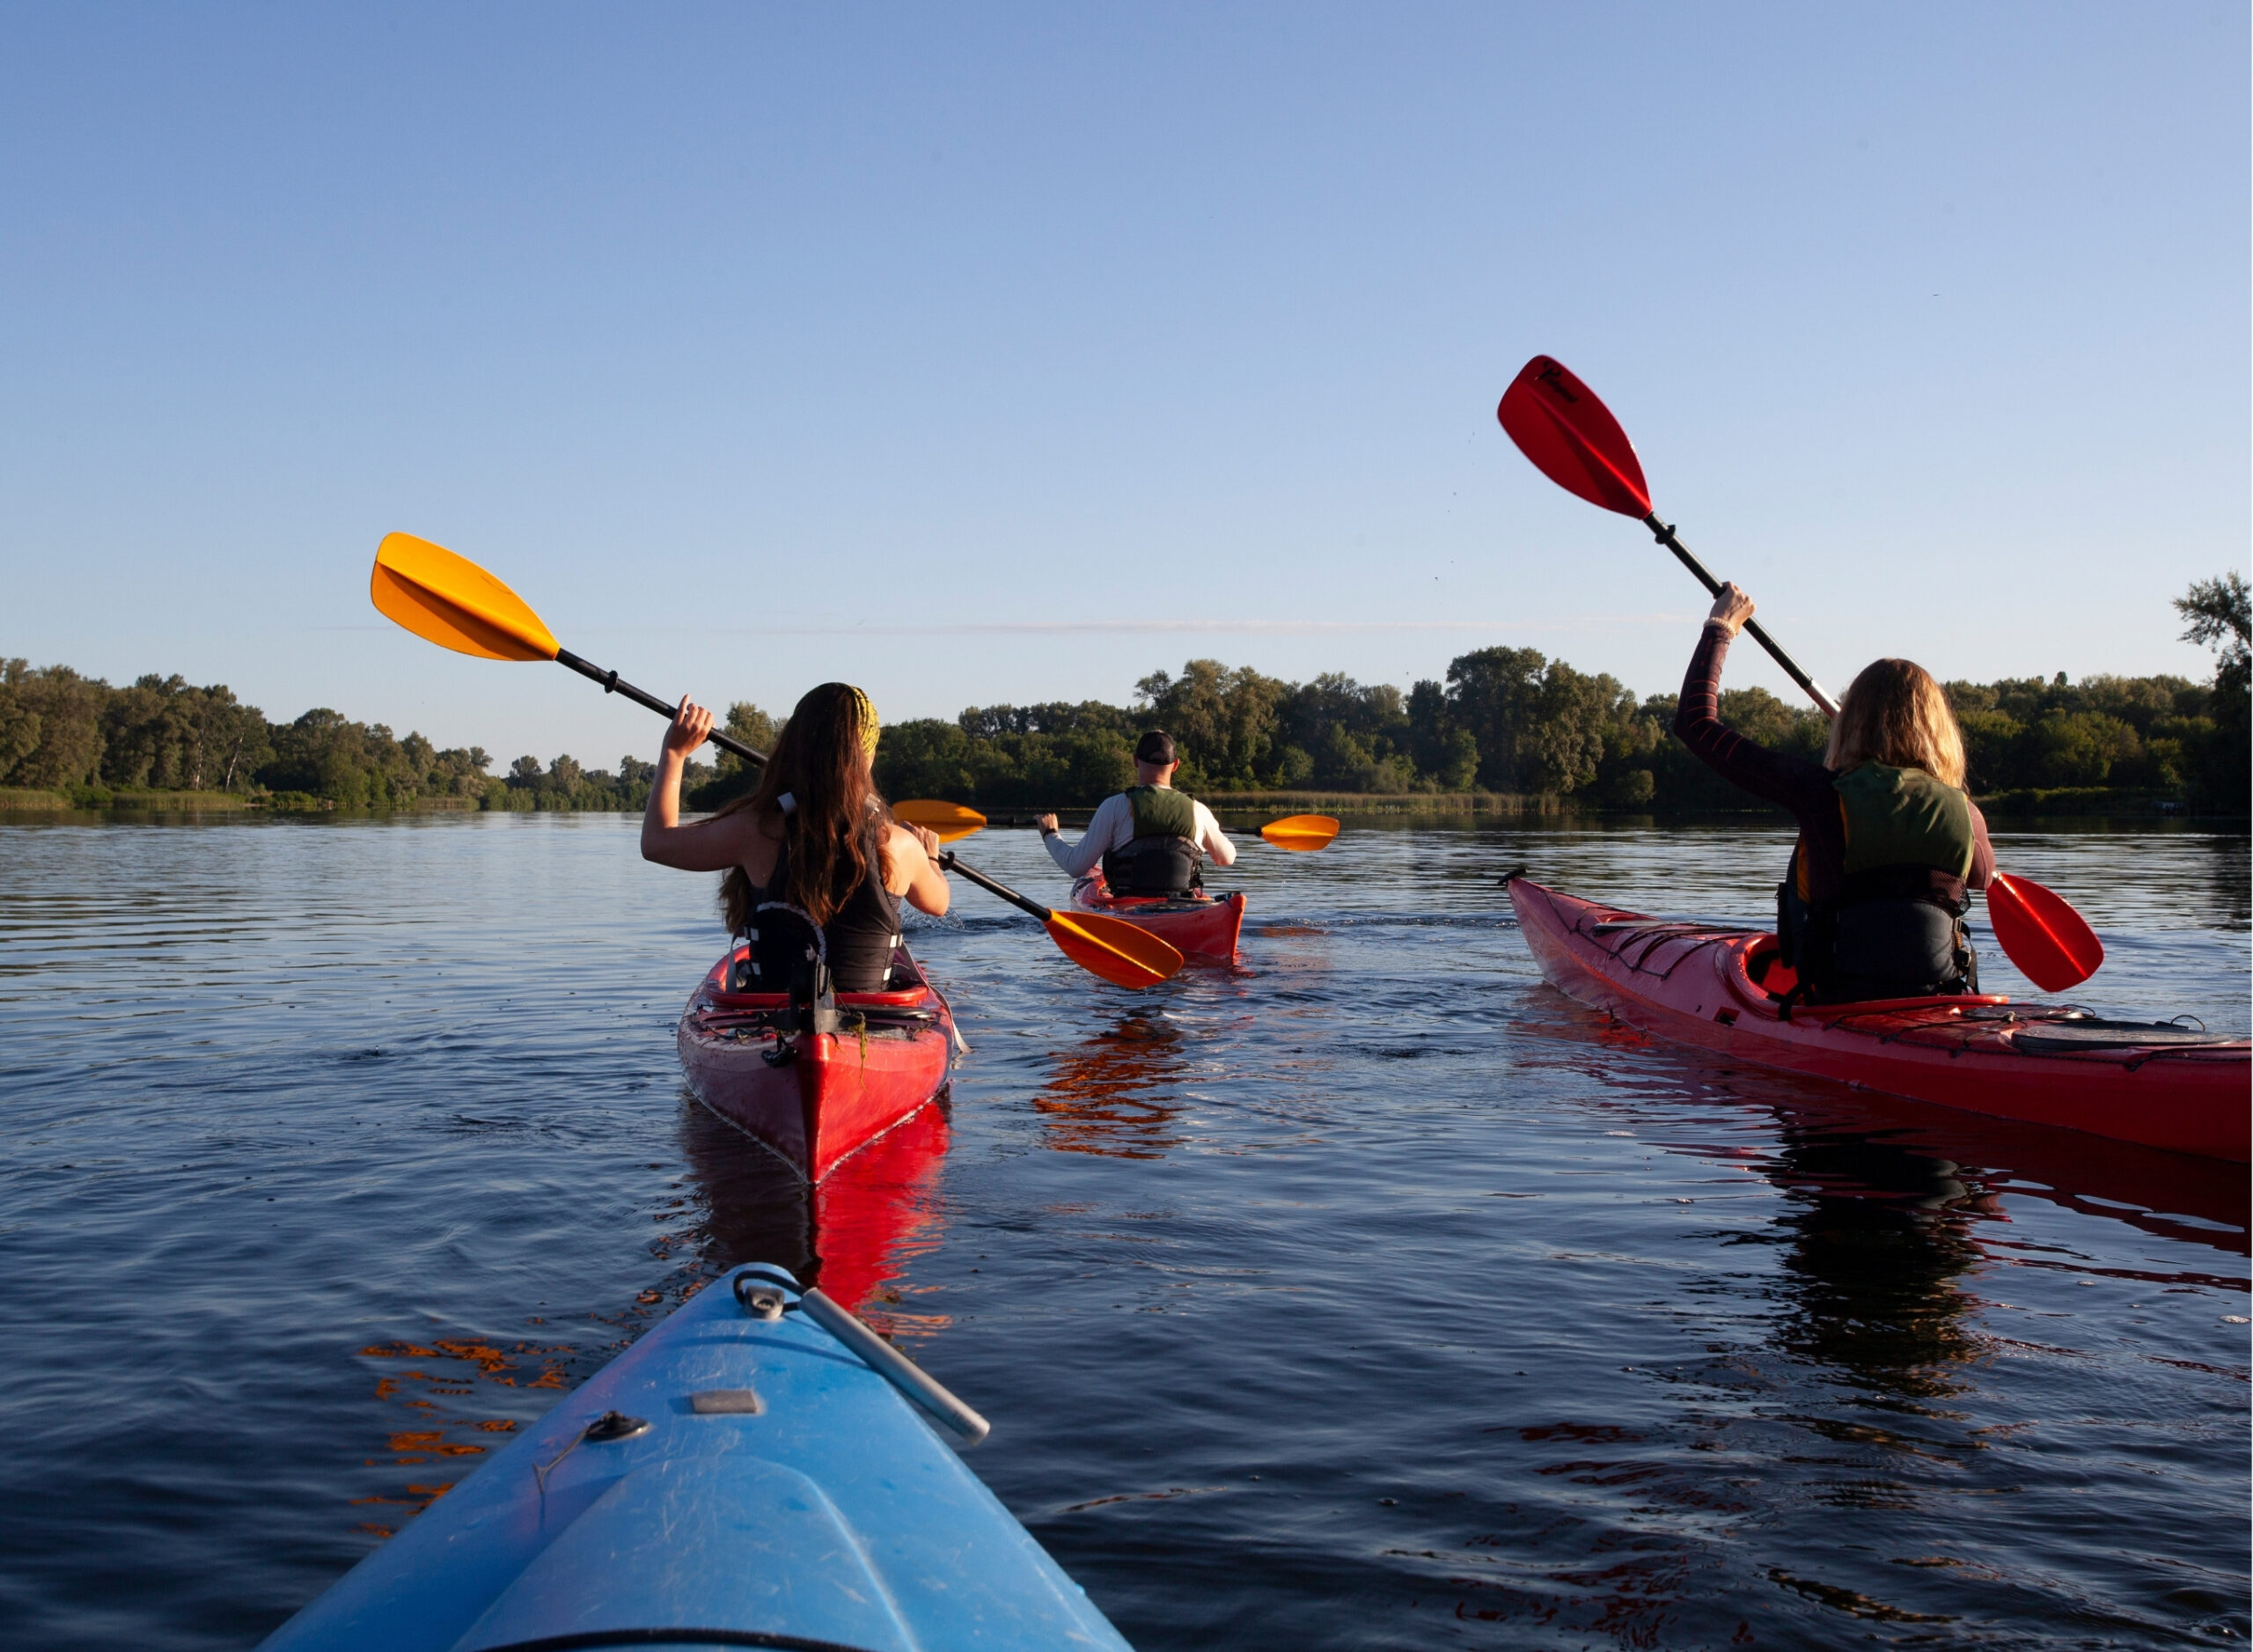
[734, 776]
[1538, 725]
[60, 713]
[20, 723]
[164, 735]
[927, 757]
[2221, 617]
[2220, 612]
[2079, 748]
[1458, 766]
[1355, 736]
[1223, 722]
[1429, 728]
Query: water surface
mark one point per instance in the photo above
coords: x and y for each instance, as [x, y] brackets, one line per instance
[1367, 1295]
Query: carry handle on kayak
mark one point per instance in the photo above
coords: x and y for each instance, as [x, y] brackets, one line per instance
[886, 1361]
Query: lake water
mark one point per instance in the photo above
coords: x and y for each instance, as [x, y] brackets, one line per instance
[1369, 1294]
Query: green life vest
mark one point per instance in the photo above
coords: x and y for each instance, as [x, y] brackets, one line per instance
[1904, 817]
[1160, 812]
[1894, 931]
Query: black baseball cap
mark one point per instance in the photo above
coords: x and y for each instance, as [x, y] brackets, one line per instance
[1155, 746]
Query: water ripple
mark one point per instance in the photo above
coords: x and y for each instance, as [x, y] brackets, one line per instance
[1368, 1294]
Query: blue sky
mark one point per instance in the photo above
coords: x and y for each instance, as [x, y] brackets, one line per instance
[982, 354]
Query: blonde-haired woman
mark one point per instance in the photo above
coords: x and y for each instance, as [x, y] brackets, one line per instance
[815, 866]
[1889, 842]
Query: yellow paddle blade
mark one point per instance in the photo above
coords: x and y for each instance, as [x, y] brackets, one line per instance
[950, 820]
[450, 600]
[1112, 948]
[1301, 832]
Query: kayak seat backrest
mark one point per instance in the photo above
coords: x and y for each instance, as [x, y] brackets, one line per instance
[1764, 968]
[905, 971]
[1758, 976]
[907, 999]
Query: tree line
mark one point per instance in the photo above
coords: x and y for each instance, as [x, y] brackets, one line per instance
[1512, 721]
[78, 737]
[1502, 720]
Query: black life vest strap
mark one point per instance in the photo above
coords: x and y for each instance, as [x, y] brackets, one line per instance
[1808, 932]
[857, 944]
[1155, 866]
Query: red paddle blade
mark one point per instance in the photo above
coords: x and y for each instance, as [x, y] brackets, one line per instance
[1572, 438]
[2050, 942]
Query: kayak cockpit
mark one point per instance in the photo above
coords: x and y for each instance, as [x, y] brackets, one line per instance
[1753, 968]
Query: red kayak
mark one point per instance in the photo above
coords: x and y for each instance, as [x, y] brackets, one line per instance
[1719, 988]
[1195, 926]
[814, 1098]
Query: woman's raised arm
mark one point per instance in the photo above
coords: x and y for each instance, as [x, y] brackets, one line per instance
[708, 846]
[915, 868]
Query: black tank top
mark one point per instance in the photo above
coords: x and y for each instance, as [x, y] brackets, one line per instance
[857, 943]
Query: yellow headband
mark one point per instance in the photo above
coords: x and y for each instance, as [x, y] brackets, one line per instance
[865, 710]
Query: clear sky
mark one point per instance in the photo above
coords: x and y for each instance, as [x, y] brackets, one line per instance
[982, 354]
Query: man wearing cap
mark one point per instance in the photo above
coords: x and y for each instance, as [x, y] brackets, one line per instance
[1152, 840]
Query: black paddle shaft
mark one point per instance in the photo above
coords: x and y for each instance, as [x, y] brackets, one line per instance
[611, 685]
[949, 862]
[1664, 534]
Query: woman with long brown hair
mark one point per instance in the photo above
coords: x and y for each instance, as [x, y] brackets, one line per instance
[1889, 842]
[814, 865]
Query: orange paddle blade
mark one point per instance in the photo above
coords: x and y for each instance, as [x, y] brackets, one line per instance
[950, 820]
[450, 600]
[1301, 832]
[1112, 948]
[2046, 938]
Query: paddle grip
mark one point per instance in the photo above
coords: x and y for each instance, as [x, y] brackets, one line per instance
[612, 684]
[1664, 534]
[949, 862]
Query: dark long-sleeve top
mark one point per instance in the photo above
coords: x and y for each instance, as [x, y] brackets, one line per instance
[1800, 785]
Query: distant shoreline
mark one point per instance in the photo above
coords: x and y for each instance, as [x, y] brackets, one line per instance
[2084, 804]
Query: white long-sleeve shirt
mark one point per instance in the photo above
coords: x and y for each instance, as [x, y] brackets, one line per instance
[1113, 827]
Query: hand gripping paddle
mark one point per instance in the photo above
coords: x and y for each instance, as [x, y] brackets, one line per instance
[450, 600]
[1572, 438]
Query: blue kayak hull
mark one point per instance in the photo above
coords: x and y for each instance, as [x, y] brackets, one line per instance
[782, 1494]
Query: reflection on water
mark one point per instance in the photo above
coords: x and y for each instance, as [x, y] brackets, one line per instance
[1112, 1094]
[1875, 1242]
[1369, 1294]
[856, 1233]
[2229, 878]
